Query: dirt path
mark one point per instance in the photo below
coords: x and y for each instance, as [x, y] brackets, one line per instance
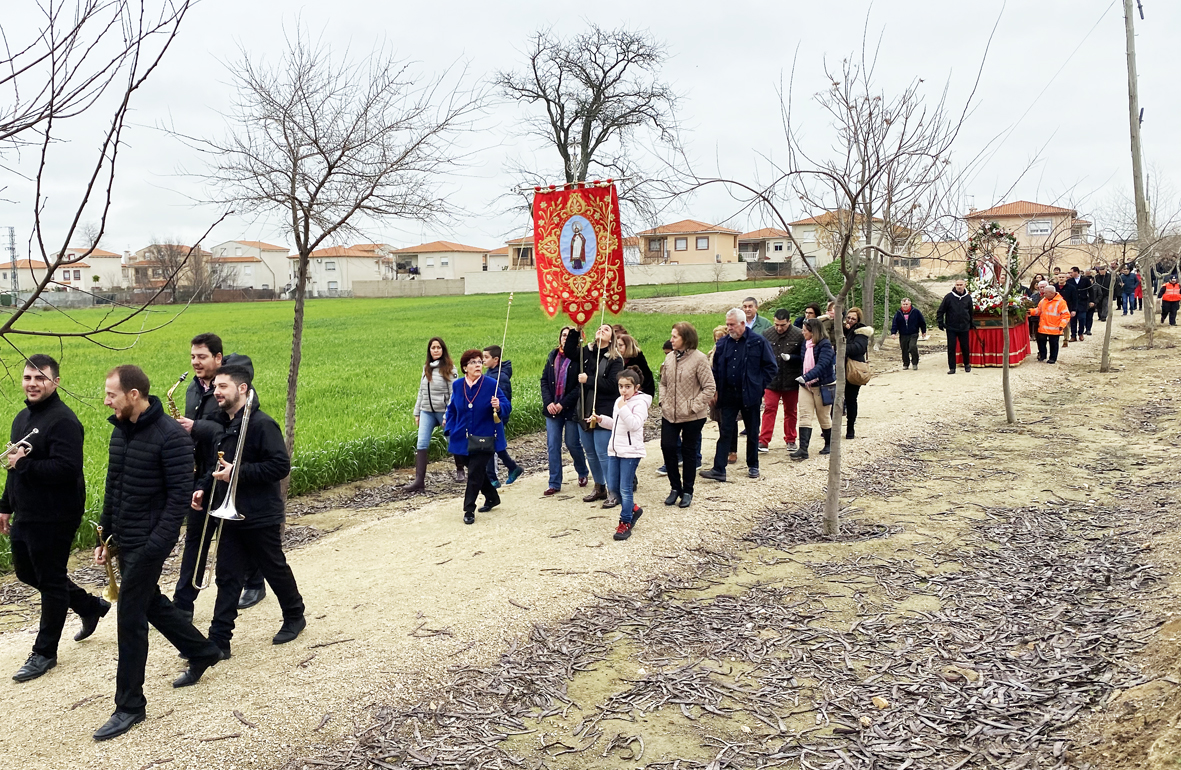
[714, 302]
[397, 596]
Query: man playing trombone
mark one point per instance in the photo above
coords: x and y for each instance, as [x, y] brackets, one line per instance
[45, 489]
[149, 488]
[253, 460]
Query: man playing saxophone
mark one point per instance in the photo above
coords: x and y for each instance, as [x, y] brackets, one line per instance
[259, 458]
[148, 491]
[45, 490]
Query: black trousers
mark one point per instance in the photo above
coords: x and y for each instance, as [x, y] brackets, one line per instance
[730, 407]
[478, 482]
[851, 394]
[240, 548]
[965, 348]
[1168, 308]
[141, 603]
[40, 553]
[184, 596]
[1078, 323]
[1044, 341]
[910, 348]
[679, 442]
[1090, 320]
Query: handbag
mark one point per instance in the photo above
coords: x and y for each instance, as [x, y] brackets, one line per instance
[480, 444]
[828, 394]
[857, 372]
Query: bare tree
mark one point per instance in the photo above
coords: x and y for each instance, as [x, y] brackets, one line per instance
[598, 98]
[326, 143]
[85, 58]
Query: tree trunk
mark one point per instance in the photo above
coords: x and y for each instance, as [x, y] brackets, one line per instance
[296, 353]
[1149, 303]
[868, 288]
[885, 312]
[1105, 361]
[832, 498]
[1010, 412]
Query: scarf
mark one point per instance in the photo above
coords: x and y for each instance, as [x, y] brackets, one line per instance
[561, 367]
[809, 356]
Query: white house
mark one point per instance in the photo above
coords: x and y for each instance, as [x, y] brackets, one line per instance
[78, 275]
[443, 259]
[766, 245]
[254, 264]
[331, 271]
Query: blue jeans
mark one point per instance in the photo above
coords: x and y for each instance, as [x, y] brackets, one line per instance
[427, 422]
[1128, 303]
[594, 443]
[621, 483]
[557, 429]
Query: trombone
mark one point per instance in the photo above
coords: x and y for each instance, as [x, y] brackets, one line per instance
[12, 445]
[227, 511]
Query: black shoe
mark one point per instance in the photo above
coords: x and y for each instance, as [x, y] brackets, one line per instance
[119, 723]
[197, 668]
[637, 512]
[686, 500]
[35, 666]
[469, 518]
[487, 506]
[951, 371]
[251, 597]
[967, 368]
[673, 497]
[712, 475]
[290, 630]
[849, 434]
[752, 473]
[90, 622]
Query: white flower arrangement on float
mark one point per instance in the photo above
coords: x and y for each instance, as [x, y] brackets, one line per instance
[985, 281]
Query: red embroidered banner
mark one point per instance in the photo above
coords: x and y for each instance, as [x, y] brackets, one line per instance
[578, 243]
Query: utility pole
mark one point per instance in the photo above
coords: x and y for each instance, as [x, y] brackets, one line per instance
[1142, 234]
[12, 261]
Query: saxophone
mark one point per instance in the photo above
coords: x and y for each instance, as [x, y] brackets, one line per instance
[172, 403]
[111, 592]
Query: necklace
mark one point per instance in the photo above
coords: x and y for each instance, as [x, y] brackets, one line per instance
[470, 399]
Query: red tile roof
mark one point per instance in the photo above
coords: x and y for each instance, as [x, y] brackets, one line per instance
[262, 246]
[367, 251]
[80, 250]
[827, 218]
[525, 240]
[36, 264]
[766, 232]
[224, 260]
[1020, 209]
[688, 226]
[501, 252]
[441, 246]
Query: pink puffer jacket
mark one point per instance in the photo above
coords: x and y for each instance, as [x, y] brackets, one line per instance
[627, 426]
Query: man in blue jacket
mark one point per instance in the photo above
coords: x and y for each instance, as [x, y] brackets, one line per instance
[908, 323]
[744, 365]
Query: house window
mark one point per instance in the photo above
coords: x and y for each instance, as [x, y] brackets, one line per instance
[77, 275]
[444, 261]
[265, 286]
[333, 285]
[1038, 227]
[654, 244]
[703, 243]
[777, 246]
[430, 261]
[809, 236]
[329, 265]
[237, 251]
[248, 271]
[5, 277]
[156, 272]
[680, 244]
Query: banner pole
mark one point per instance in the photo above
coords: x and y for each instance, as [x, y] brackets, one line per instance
[503, 340]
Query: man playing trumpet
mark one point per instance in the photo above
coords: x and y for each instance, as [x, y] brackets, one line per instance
[262, 461]
[41, 509]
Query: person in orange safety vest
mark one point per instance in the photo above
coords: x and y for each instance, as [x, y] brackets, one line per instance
[1170, 295]
[1053, 319]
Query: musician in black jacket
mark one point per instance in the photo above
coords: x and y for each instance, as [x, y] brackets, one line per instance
[149, 488]
[264, 463]
[45, 490]
[201, 410]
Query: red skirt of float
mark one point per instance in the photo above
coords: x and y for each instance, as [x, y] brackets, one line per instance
[987, 341]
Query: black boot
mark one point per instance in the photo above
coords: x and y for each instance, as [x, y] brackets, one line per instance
[460, 462]
[827, 433]
[802, 440]
[849, 432]
[419, 483]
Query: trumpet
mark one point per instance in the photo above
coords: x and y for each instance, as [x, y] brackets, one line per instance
[12, 445]
[176, 413]
[111, 592]
[227, 511]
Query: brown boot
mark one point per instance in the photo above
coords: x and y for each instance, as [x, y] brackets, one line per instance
[419, 483]
[460, 462]
[599, 493]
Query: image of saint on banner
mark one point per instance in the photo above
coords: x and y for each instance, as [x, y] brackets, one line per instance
[578, 244]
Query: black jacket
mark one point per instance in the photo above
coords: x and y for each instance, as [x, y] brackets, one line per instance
[955, 312]
[201, 405]
[640, 364]
[265, 463]
[149, 483]
[602, 400]
[915, 324]
[856, 345]
[505, 372]
[744, 366]
[788, 342]
[1077, 295]
[549, 387]
[47, 486]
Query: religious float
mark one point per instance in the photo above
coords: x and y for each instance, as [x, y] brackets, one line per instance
[988, 276]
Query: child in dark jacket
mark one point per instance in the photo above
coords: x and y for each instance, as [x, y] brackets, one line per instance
[502, 372]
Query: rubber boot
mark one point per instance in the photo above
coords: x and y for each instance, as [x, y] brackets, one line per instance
[849, 432]
[802, 440]
[419, 483]
[827, 433]
[460, 475]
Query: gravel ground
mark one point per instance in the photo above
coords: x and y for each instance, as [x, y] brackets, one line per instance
[396, 594]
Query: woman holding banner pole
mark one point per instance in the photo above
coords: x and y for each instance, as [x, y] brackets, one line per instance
[559, 402]
[600, 368]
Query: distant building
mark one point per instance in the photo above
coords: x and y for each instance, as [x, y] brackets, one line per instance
[332, 270]
[31, 271]
[252, 264]
[766, 245]
[689, 242]
[520, 253]
[1045, 234]
[442, 259]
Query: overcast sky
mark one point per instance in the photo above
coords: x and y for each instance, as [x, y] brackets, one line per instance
[1054, 86]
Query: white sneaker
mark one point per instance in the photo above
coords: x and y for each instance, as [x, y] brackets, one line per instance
[792, 447]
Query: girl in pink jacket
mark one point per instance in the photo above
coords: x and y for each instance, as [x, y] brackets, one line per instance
[626, 447]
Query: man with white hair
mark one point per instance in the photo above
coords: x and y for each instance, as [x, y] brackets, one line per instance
[743, 366]
[1053, 316]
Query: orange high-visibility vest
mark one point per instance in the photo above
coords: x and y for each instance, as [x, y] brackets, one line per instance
[1172, 292]
[1053, 315]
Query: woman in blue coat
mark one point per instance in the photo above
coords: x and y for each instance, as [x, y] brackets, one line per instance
[819, 380]
[471, 430]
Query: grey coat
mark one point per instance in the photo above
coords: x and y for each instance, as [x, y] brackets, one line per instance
[434, 394]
